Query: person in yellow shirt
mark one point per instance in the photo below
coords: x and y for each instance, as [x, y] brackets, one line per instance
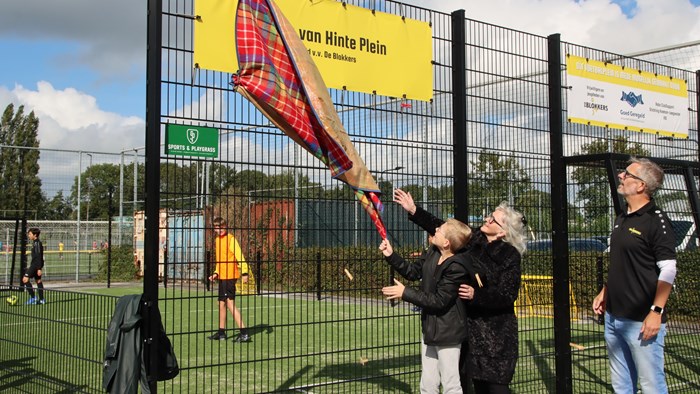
[228, 254]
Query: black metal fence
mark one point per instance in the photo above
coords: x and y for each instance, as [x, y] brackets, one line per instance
[57, 347]
[313, 309]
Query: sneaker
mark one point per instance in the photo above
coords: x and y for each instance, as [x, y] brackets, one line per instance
[42, 301]
[218, 336]
[31, 301]
[243, 338]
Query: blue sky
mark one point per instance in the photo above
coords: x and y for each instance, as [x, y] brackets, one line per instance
[50, 60]
[629, 7]
[80, 64]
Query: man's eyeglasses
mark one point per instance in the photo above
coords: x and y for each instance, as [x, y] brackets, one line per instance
[626, 174]
[492, 219]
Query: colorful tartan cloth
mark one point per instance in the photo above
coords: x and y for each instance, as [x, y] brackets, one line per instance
[278, 75]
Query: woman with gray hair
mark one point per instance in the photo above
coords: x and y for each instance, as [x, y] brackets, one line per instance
[490, 352]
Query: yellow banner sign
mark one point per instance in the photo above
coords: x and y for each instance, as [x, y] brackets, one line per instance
[354, 48]
[607, 95]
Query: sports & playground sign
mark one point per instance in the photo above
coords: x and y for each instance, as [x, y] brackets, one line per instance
[608, 95]
[183, 140]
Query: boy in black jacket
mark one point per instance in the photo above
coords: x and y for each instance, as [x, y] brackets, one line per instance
[443, 316]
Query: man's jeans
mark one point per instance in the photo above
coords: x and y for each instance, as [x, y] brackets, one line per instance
[632, 358]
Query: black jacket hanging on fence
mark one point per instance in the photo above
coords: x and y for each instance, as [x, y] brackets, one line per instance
[125, 363]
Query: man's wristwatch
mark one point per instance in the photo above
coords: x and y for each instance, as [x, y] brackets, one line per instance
[657, 309]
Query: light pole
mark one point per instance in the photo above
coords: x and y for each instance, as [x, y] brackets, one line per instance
[77, 240]
[89, 184]
[388, 170]
[397, 168]
[87, 213]
[121, 189]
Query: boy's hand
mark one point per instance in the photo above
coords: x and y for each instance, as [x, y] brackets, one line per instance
[394, 292]
[386, 248]
[213, 277]
[405, 200]
[466, 292]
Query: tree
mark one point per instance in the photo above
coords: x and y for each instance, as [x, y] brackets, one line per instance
[20, 186]
[536, 205]
[221, 178]
[251, 180]
[495, 178]
[97, 182]
[58, 208]
[180, 185]
[594, 189]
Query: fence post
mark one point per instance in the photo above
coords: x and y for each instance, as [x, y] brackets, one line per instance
[318, 276]
[14, 257]
[599, 281]
[392, 275]
[560, 250]
[23, 249]
[152, 181]
[459, 117]
[166, 267]
[258, 272]
[697, 113]
[207, 270]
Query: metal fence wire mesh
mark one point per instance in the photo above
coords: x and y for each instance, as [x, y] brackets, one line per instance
[312, 304]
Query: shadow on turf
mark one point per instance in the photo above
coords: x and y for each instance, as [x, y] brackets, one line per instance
[369, 371]
[258, 329]
[255, 330]
[288, 384]
[19, 372]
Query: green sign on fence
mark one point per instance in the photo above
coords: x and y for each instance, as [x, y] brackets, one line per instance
[183, 140]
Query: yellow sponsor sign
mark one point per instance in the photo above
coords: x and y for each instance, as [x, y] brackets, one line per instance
[608, 95]
[214, 35]
[354, 48]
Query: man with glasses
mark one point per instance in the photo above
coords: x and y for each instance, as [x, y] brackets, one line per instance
[640, 278]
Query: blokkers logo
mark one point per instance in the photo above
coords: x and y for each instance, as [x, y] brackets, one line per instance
[595, 107]
[632, 99]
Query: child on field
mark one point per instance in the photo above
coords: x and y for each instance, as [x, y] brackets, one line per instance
[34, 270]
[228, 254]
[443, 315]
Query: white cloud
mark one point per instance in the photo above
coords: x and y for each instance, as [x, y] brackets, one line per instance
[598, 24]
[68, 118]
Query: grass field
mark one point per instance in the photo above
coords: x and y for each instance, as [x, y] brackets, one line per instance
[57, 266]
[296, 342]
[299, 344]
